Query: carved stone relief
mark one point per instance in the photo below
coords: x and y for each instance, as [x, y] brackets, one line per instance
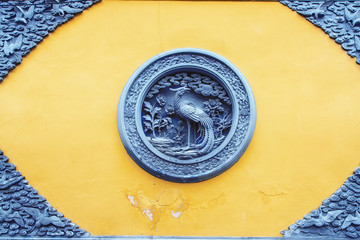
[186, 115]
[23, 212]
[24, 24]
[339, 19]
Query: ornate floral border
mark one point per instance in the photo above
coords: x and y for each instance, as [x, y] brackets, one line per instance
[24, 24]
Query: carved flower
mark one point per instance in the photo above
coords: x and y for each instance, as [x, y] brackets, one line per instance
[187, 58]
[213, 107]
[169, 109]
[161, 100]
[128, 113]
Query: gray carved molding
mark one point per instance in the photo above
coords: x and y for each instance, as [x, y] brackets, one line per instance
[25, 213]
[24, 24]
[339, 19]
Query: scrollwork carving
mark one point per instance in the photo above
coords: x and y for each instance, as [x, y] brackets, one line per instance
[24, 24]
[338, 216]
[339, 19]
[23, 212]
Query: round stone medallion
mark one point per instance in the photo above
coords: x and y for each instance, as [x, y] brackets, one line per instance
[186, 115]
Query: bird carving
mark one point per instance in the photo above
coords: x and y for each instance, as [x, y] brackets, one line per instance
[24, 16]
[61, 10]
[188, 110]
[352, 18]
[12, 45]
[318, 12]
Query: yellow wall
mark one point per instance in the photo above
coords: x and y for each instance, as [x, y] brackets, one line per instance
[58, 119]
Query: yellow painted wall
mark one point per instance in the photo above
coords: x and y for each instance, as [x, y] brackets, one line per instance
[58, 119]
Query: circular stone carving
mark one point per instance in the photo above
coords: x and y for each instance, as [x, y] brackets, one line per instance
[186, 115]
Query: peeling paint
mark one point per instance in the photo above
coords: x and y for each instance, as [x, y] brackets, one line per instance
[131, 198]
[176, 214]
[148, 213]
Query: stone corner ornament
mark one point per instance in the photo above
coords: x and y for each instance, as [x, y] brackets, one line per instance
[337, 217]
[186, 115]
[24, 24]
[339, 19]
[25, 213]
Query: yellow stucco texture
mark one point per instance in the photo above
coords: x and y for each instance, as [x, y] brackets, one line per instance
[58, 119]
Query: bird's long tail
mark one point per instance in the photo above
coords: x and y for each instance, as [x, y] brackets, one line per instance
[208, 142]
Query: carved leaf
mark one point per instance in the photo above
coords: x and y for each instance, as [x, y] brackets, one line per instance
[157, 110]
[156, 122]
[148, 126]
[148, 106]
[147, 117]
